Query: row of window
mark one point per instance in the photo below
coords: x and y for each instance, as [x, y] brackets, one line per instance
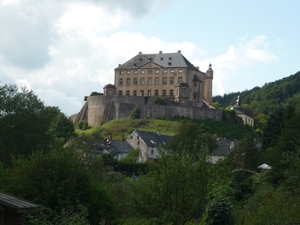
[149, 81]
[128, 72]
[149, 93]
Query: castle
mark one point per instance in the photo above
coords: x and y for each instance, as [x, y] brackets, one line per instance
[187, 90]
[168, 75]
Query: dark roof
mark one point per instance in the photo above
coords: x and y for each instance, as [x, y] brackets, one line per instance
[114, 147]
[165, 60]
[19, 204]
[109, 86]
[196, 79]
[153, 139]
[224, 148]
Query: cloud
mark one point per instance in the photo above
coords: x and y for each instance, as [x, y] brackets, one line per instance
[231, 64]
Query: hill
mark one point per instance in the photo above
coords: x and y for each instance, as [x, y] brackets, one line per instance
[119, 127]
[267, 98]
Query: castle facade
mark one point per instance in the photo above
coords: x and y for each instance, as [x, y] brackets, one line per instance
[167, 75]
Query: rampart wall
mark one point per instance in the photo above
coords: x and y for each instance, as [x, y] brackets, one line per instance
[99, 109]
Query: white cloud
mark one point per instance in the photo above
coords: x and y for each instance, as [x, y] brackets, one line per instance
[231, 64]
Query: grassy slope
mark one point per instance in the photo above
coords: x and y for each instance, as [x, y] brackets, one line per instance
[125, 126]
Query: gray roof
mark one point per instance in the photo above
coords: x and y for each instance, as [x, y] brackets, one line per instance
[19, 204]
[223, 148]
[165, 60]
[114, 146]
[152, 139]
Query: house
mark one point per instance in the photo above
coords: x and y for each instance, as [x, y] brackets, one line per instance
[148, 142]
[243, 113]
[117, 148]
[168, 75]
[225, 146]
[13, 209]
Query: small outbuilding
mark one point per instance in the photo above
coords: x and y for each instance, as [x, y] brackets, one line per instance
[13, 209]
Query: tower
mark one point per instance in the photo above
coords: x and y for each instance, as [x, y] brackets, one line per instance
[207, 93]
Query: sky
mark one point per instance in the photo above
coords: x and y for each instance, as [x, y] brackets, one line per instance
[65, 49]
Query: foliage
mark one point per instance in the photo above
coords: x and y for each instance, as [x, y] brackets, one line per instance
[219, 210]
[61, 127]
[192, 137]
[174, 191]
[58, 180]
[158, 101]
[95, 93]
[135, 114]
[82, 125]
[24, 125]
[216, 104]
[65, 217]
[267, 98]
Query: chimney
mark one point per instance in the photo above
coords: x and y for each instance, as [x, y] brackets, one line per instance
[197, 67]
[179, 51]
[158, 132]
[110, 136]
[120, 64]
[123, 138]
[140, 53]
[160, 52]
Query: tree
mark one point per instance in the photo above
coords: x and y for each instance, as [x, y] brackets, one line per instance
[60, 181]
[159, 101]
[193, 138]
[174, 191]
[61, 127]
[22, 125]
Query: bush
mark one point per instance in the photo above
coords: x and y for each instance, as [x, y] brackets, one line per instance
[135, 114]
[159, 101]
[82, 125]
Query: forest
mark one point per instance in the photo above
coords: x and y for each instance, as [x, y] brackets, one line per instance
[48, 160]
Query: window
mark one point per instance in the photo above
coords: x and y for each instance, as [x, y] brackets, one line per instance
[149, 92]
[121, 72]
[120, 92]
[171, 80]
[142, 81]
[171, 92]
[127, 92]
[128, 72]
[135, 72]
[134, 92]
[149, 71]
[127, 81]
[156, 80]
[165, 71]
[172, 71]
[156, 92]
[152, 152]
[183, 91]
[121, 81]
[179, 80]
[143, 71]
[134, 81]
[195, 84]
[164, 80]
[142, 93]
[180, 71]
[156, 71]
[164, 92]
[149, 80]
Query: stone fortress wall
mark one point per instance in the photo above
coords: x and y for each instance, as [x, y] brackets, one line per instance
[99, 109]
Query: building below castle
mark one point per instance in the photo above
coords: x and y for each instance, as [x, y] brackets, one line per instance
[167, 75]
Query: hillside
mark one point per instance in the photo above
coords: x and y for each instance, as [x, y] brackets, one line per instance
[119, 127]
[266, 98]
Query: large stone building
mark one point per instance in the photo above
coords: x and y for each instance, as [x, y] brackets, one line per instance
[168, 75]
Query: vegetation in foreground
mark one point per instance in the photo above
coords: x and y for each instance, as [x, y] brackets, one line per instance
[73, 187]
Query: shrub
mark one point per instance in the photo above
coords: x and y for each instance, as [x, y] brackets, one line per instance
[159, 101]
[82, 125]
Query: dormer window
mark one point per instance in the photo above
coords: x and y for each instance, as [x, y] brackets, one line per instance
[170, 58]
[169, 63]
